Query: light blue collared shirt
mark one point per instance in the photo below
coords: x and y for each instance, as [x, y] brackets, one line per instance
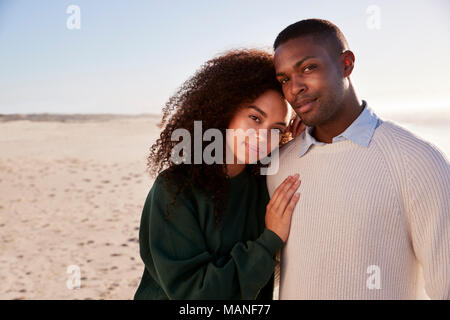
[359, 132]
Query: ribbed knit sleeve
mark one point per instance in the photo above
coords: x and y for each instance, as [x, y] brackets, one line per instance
[186, 269]
[426, 204]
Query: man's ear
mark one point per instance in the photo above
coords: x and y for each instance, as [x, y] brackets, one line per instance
[348, 62]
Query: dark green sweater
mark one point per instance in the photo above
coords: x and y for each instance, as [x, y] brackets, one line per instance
[186, 257]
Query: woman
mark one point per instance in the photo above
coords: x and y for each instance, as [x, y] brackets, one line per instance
[210, 231]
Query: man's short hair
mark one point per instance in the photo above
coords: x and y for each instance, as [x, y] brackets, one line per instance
[322, 30]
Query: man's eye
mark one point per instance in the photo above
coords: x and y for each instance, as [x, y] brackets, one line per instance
[310, 67]
[255, 118]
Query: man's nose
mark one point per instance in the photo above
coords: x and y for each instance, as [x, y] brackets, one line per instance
[298, 86]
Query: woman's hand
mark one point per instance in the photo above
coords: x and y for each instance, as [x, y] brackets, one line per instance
[296, 126]
[281, 205]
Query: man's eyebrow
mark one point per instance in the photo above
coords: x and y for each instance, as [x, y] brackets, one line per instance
[259, 110]
[296, 65]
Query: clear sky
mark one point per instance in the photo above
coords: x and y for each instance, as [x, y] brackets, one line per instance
[129, 56]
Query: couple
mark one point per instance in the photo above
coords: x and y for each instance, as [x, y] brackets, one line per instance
[372, 221]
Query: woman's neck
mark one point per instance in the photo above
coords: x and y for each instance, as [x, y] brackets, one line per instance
[235, 169]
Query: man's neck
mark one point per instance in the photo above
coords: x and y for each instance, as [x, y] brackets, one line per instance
[347, 113]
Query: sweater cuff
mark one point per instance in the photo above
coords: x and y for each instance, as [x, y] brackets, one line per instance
[271, 241]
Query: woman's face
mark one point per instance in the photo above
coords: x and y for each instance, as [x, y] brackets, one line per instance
[251, 137]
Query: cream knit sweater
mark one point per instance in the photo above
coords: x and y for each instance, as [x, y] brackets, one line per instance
[370, 223]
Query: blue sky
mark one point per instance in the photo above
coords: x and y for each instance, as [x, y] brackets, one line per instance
[130, 55]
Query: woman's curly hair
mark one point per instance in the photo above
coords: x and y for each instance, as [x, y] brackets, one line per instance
[213, 95]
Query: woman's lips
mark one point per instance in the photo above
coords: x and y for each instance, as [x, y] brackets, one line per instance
[306, 107]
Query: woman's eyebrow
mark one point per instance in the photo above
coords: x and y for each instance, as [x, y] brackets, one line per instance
[259, 110]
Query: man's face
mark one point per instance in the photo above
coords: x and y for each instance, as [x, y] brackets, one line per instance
[312, 79]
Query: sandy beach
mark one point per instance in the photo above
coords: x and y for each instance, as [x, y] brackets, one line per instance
[71, 193]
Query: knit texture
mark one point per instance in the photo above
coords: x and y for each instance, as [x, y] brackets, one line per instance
[370, 222]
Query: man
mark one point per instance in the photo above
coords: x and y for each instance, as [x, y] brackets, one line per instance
[374, 205]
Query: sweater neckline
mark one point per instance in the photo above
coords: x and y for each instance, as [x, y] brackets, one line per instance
[239, 178]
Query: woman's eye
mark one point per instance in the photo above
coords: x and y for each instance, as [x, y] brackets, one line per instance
[255, 118]
[310, 67]
[280, 131]
[284, 80]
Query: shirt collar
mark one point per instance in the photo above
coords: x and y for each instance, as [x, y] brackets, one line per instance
[360, 131]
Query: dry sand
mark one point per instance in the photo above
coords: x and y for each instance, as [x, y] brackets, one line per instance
[71, 193]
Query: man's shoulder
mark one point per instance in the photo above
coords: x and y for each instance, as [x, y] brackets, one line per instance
[396, 140]
[395, 133]
[292, 146]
